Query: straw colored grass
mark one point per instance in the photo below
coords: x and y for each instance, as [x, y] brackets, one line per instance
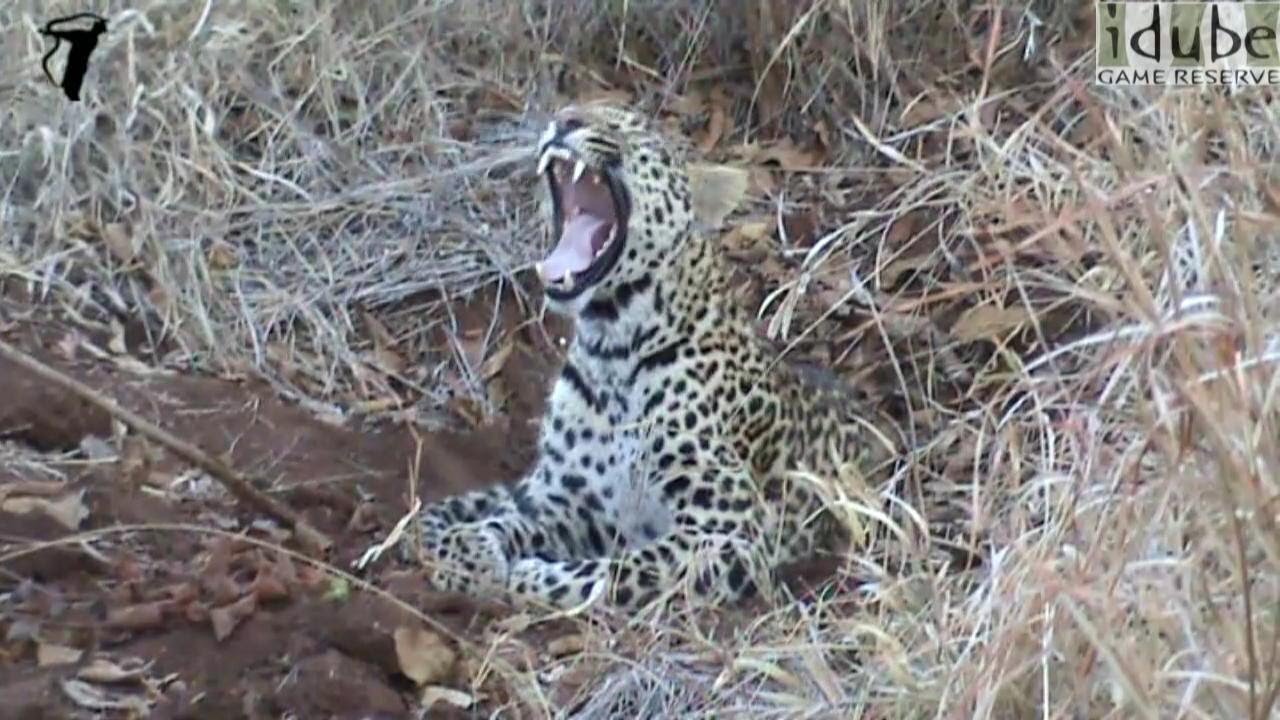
[253, 180]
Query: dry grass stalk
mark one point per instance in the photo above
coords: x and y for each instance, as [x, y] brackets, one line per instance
[309, 537]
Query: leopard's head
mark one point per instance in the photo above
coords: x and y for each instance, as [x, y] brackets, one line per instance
[620, 207]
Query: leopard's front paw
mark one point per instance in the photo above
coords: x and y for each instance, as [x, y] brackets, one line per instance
[470, 558]
[412, 544]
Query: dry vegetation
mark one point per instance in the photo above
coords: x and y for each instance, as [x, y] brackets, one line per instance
[303, 194]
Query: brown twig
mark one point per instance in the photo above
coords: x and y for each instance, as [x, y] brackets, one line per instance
[309, 537]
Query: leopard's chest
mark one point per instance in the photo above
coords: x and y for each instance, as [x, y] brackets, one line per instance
[624, 373]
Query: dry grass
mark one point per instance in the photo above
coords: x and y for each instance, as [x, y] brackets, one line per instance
[256, 194]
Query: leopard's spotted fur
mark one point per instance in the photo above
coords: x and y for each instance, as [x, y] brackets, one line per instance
[667, 437]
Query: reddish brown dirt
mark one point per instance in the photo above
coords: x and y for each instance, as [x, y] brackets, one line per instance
[152, 595]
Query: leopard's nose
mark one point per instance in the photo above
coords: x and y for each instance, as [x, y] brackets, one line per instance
[568, 120]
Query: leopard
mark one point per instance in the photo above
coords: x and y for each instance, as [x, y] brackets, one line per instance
[669, 439]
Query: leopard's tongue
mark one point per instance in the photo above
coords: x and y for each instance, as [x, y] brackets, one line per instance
[583, 235]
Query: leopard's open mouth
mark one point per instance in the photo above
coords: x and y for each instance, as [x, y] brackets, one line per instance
[590, 210]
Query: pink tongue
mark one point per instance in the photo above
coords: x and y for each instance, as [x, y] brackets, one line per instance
[576, 250]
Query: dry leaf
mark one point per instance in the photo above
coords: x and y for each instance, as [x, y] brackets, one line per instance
[602, 95]
[83, 227]
[118, 242]
[746, 242]
[568, 687]
[215, 576]
[68, 511]
[460, 129]
[717, 191]
[369, 407]
[95, 449]
[514, 624]
[494, 363]
[717, 125]
[690, 103]
[961, 455]
[50, 654]
[497, 392]
[985, 321]
[823, 131]
[225, 619]
[68, 345]
[467, 410]
[894, 270]
[135, 461]
[98, 699]
[786, 154]
[494, 97]
[161, 299]
[144, 616]
[801, 228]
[391, 360]
[433, 694]
[761, 181]
[105, 670]
[513, 652]
[423, 655]
[267, 587]
[117, 344]
[128, 569]
[567, 645]
[472, 345]
[755, 231]
[925, 110]
[383, 344]
[222, 256]
[903, 228]
[44, 488]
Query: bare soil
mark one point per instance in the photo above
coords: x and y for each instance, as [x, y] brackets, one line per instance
[150, 594]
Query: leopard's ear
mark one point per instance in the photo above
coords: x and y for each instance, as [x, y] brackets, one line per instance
[716, 191]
